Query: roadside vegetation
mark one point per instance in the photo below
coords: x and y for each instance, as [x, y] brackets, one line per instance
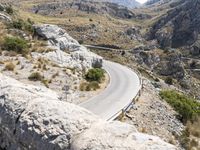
[94, 77]
[95, 74]
[189, 113]
[188, 108]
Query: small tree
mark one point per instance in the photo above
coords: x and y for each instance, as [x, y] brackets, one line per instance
[95, 74]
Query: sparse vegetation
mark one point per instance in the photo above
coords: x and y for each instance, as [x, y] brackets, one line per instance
[189, 114]
[22, 25]
[169, 80]
[191, 135]
[88, 86]
[95, 74]
[188, 108]
[36, 76]
[15, 44]
[9, 10]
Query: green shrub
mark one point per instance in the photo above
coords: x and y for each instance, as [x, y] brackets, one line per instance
[169, 80]
[15, 44]
[81, 41]
[9, 10]
[95, 74]
[187, 107]
[36, 76]
[22, 25]
[18, 24]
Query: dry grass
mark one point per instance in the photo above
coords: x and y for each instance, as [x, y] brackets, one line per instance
[194, 128]
[109, 30]
[191, 136]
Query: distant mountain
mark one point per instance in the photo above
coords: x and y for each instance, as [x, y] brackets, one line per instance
[151, 2]
[127, 3]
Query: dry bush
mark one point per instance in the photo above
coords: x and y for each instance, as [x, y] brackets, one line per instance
[9, 66]
[89, 86]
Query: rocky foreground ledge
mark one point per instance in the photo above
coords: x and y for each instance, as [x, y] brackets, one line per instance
[35, 118]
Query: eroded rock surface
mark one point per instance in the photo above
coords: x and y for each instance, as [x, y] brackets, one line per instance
[35, 118]
[68, 52]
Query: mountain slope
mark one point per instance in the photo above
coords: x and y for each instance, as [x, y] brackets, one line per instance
[127, 3]
[180, 26]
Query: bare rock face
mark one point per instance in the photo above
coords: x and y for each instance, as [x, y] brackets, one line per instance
[35, 118]
[67, 50]
[89, 6]
[180, 26]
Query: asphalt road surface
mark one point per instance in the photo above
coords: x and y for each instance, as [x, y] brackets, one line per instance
[123, 87]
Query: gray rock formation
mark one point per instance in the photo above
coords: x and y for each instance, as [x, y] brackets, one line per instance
[88, 6]
[68, 51]
[180, 26]
[35, 118]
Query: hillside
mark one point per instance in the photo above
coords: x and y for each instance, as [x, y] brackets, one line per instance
[179, 27]
[127, 3]
[51, 54]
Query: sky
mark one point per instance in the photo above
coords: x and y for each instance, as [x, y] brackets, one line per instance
[141, 1]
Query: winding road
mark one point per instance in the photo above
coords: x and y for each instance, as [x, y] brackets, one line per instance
[123, 87]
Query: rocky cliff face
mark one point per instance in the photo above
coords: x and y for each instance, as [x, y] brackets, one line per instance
[68, 51]
[180, 26]
[35, 118]
[87, 6]
[151, 2]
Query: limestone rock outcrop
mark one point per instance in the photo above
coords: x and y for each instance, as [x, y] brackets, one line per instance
[35, 118]
[68, 51]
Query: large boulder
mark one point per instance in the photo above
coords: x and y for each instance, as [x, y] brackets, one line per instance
[35, 118]
[59, 40]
